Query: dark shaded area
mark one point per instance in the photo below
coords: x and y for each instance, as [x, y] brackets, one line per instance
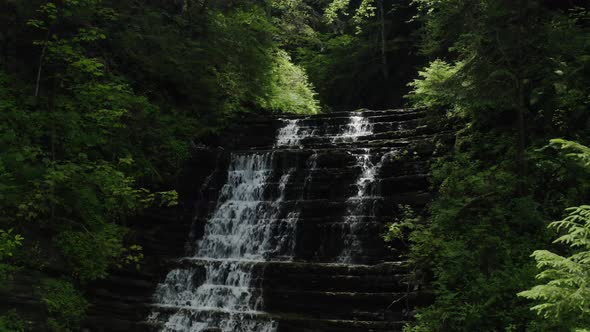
[346, 63]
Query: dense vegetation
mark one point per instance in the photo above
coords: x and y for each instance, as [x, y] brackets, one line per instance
[99, 102]
[508, 76]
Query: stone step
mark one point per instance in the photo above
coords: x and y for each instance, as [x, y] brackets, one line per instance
[288, 323]
[363, 142]
[195, 317]
[209, 310]
[304, 290]
[299, 161]
[339, 268]
[361, 290]
[332, 131]
[388, 204]
[370, 219]
[342, 184]
[347, 114]
[341, 305]
[391, 271]
[335, 278]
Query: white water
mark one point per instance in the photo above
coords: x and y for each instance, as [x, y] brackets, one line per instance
[368, 171]
[357, 205]
[223, 288]
[244, 230]
[292, 134]
[357, 126]
[311, 164]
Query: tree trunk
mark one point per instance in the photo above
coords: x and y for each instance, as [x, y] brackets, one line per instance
[39, 70]
[384, 68]
[520, 154]
[521, 104]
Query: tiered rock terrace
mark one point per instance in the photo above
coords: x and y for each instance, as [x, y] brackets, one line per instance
[340, 275]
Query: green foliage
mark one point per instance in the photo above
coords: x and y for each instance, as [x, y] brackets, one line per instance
[574, 151]
[290, 90]
[475, 248]
[295, 22]
[365, 10]
[359, 55]
[434, 88]
[407, 222]
[214, 60]
[336, 7]
[282, 87]
[9, 242]
[563, 299]
[73, 154]
[72, 168]
[325, 67]
[64, 304]
[11, 322]
[99, 102]
[242, 39]
[505, 94]
[90, 255]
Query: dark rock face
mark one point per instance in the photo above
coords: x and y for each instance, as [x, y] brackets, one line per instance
[339, 274]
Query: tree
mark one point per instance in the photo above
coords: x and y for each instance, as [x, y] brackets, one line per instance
[362, 53]
[505, 90]
[101, 125]
[366, 10]
[564, 298]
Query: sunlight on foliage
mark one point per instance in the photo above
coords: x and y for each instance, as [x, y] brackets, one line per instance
[434, 87]
[565, 297]
[505, 89]
[9, 242]
[336, 8]
[290, 90]
[366, 10]
[407, 222]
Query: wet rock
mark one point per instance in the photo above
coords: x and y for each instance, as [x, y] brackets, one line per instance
[339, 275]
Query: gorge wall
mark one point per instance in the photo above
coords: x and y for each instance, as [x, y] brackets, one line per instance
[280, 229]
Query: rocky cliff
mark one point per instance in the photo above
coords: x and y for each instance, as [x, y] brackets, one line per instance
[325, 187]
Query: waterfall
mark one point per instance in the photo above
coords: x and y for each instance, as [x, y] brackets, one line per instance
[311, 165]
[357, 126]
[219, 287]
[360, 206]
[245, 229]
[292, 134]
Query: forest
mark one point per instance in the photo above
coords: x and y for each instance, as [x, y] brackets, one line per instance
[101, 102]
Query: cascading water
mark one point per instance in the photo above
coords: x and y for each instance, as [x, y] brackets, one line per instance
[245, 229]
[358, 126]
[292, 134]
[286, 232]
[311, 165]
[360, 205]
[220, 290]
